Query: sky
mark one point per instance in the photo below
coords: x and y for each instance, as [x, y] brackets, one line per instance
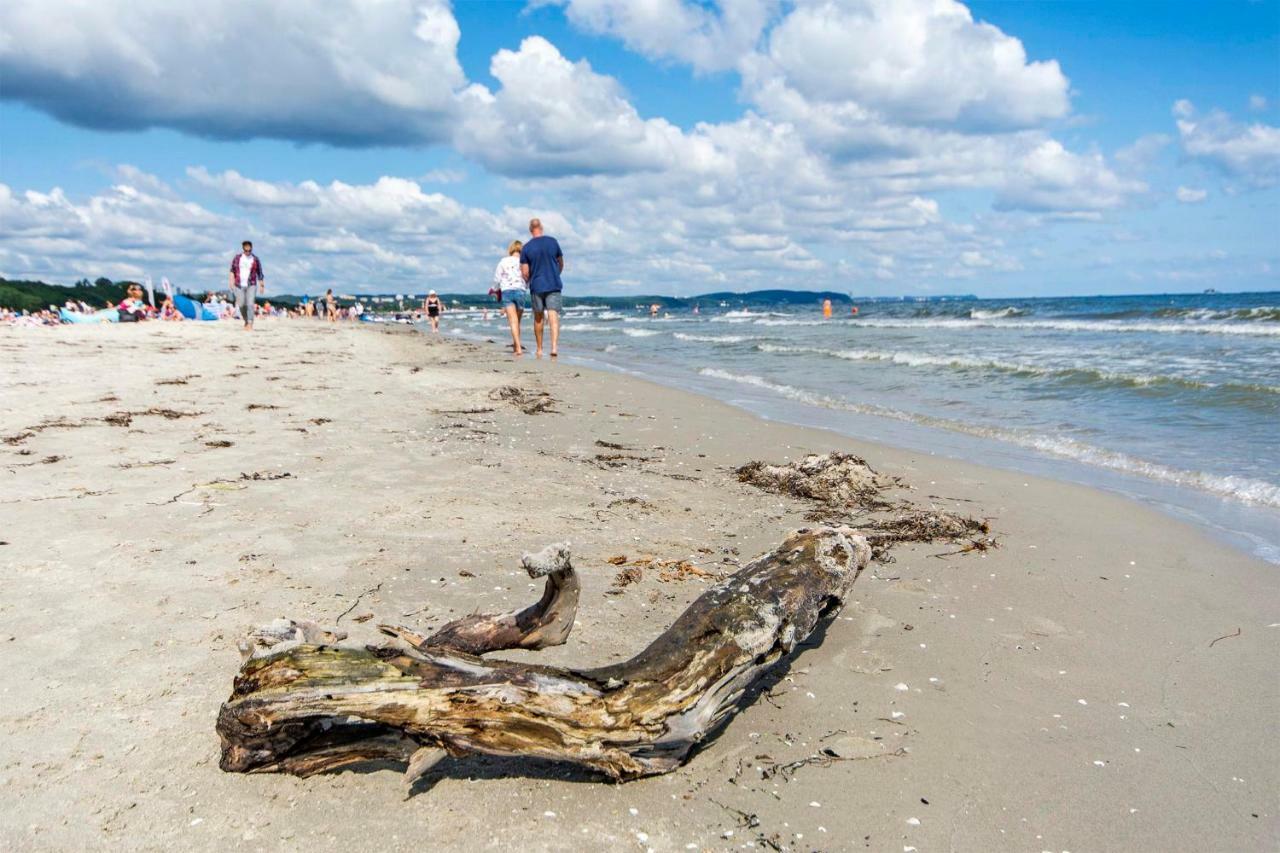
[874, 147]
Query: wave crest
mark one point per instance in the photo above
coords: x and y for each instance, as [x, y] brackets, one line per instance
[1242, 489]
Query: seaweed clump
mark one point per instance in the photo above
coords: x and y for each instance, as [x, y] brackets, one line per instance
[529, 402]
[925, 525]
[838, 481]
[841, 487]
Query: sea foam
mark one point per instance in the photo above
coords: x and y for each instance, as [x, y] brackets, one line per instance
[1243, 489]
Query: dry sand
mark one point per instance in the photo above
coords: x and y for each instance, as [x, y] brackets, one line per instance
[1064, 692]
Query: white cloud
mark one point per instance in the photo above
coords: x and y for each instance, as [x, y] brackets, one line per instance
[1257, 103]
[1140, 156]
[122, 231]
[911, 61]
[555, 117]
[235, 187]
[705, 38]
[1249, 152]
[828, 178]
[1051, 178]
[1188, 195]
[443, 176]
[345, 72]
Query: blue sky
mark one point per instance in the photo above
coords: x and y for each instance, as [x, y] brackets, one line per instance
[869, 146]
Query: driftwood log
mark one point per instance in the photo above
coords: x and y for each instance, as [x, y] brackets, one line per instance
[301, 705]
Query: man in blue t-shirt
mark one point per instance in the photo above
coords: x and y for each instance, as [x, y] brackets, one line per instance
[541, 263]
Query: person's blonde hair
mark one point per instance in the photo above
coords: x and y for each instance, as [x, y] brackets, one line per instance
[515, 246]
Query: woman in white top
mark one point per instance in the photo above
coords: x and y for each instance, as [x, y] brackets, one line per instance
[513, 292]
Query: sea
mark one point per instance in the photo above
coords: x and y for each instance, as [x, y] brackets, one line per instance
[1172, 399]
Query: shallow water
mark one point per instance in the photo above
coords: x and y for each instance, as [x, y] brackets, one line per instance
[1173, 399]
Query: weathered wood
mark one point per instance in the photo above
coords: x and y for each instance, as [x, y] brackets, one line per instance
[545, 623]
[308, 708]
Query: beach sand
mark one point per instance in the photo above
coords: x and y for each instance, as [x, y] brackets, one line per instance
[1066, 691]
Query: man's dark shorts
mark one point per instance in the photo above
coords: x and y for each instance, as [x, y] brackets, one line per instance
[543, 302]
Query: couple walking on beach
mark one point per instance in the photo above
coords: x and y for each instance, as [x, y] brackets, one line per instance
[532, 271]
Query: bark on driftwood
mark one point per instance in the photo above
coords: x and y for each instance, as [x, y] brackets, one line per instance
[305, 707]
[545, 623]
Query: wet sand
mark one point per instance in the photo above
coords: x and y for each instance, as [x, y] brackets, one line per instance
[1104, 680]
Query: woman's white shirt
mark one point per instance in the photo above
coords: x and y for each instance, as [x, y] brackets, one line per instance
[507, 276]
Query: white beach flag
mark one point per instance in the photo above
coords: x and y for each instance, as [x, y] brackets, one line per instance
[151, 295]
[166, 287]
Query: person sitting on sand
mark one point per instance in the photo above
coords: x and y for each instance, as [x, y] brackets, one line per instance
[133, 308]
[169, 311]
[541, 263]
[512, 291]
[434, 308]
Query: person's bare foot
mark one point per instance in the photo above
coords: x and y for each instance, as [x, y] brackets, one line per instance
[538, 354]
[554, 354]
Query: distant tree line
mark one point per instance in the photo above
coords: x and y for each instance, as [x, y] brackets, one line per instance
[37, 295]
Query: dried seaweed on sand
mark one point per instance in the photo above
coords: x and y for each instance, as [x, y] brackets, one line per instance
[926, 525]
[837, 480]
[841, 485]
[529, 402]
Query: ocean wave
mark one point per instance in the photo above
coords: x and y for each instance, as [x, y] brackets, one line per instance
[574, 325]
[793, 321]
[1067, 373]
[748, 313]
[1257, 314]
[640, 333]
[1188, 327]
[746, 316]
[715, 339]
[979, 314]
[1242, 489]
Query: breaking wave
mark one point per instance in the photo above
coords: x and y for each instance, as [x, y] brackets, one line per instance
[1179, 328]
[1243, 489]
[1073, 373]
[979, 314]
[715, 339]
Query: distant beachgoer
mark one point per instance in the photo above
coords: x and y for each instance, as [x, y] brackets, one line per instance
[169, 311]
[654, 309]
[331, 306]
[132, 308]
[512, 291]
[826, 308]
[541, 263]
[434, 308]
[247, 282]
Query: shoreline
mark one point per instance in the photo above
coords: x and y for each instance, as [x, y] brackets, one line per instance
[1070, 689]
[1249, 527]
